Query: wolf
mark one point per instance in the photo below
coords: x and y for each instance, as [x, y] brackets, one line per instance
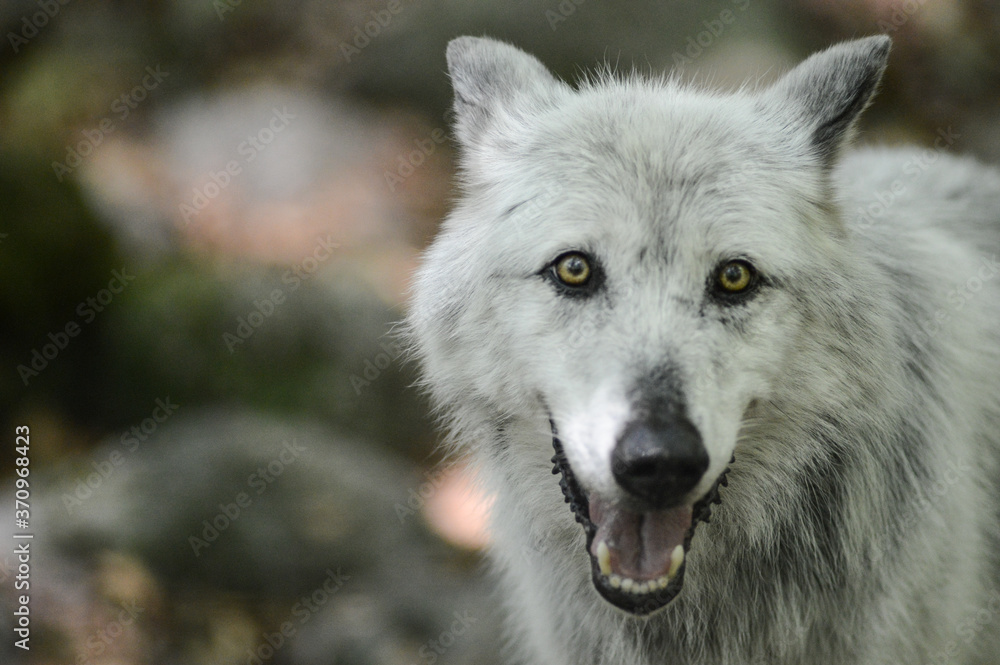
[762, 369]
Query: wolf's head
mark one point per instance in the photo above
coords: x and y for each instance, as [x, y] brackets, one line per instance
[626, 263]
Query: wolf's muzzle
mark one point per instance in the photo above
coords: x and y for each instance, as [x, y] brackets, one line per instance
[658, 461]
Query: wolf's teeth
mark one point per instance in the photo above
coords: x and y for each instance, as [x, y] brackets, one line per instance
[604, 558]
[636, 587]
[676, 559]
[639, 588]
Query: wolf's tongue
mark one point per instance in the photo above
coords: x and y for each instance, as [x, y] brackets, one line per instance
[640, 544]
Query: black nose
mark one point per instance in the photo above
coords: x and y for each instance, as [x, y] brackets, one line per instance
[659, 462]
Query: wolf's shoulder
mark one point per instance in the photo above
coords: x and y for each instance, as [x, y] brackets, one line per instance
[889, 180]
[888, 192]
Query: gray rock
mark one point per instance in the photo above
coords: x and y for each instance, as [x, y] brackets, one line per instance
[318, 530]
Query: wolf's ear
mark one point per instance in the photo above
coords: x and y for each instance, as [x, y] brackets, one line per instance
[829, 90]
[491, 78]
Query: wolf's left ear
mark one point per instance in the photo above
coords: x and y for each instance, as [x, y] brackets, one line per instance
[493, 80]
[829, 90]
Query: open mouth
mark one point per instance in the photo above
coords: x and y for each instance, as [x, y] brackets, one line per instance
[637, 558]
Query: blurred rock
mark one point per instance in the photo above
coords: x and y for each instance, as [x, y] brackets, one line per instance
[311, 526]
[260, 171]
[310, 339]
[313, 501]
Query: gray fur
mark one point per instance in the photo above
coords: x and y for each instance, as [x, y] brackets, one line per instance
[859, 389]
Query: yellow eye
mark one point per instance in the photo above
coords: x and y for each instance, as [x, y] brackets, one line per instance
[735, 276]
[573, 269]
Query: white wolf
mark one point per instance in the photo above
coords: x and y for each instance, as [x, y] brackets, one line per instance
[709, 311]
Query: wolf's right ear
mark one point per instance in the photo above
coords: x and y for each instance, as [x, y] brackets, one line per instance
[494, 81]
[829, 90]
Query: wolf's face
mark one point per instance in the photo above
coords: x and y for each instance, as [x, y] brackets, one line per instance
[626, 261]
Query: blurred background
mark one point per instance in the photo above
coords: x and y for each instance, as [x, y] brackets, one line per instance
[209, 210]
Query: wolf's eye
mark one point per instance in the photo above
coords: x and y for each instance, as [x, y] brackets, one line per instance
[572, 269]
[735, 277]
